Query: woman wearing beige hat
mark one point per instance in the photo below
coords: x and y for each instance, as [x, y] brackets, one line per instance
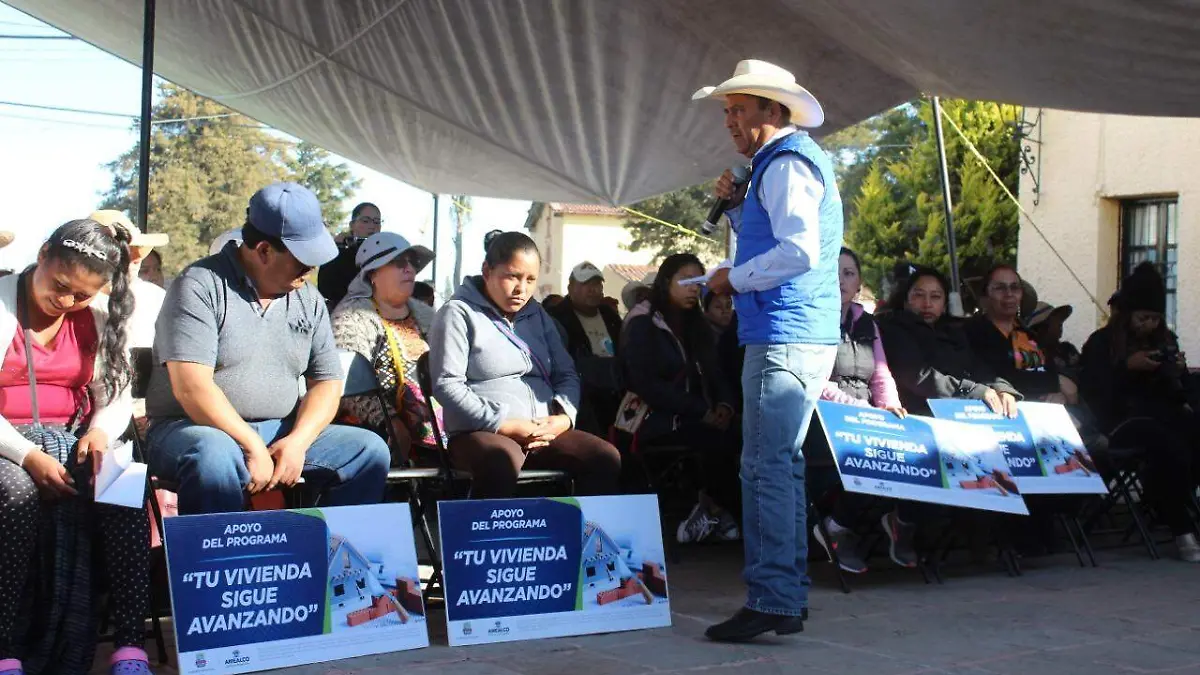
[6, 238]
[147, 297]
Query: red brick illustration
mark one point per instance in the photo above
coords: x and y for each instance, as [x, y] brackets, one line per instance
[629, 588]
[654, 578]
[409, 594]
[360, 616]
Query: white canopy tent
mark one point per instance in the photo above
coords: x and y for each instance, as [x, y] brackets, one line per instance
[588, 100]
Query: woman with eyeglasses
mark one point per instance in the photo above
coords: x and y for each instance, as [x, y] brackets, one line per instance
[335, 277]
[999, 337]
[380, 319]
[929, 354]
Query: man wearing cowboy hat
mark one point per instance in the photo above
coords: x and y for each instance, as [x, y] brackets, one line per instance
[785, 291]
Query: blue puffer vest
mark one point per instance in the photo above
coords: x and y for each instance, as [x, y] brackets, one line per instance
[805, 309]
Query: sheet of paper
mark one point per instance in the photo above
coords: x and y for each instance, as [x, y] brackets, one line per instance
[695, 281]
[121, 480]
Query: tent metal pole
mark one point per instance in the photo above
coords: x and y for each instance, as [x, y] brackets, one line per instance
[143, 195]
[956, 307]
[435, 240]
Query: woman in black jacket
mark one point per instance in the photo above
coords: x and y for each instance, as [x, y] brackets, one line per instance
[999, 339]
[929, 354]
[676, 388]
[1133, 378]
[930, 357]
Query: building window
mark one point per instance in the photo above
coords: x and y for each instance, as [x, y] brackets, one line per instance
[1149, 231]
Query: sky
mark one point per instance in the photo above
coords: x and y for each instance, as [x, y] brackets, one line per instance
[52, 163]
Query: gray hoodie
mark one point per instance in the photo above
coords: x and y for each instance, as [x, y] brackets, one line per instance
[482, 379]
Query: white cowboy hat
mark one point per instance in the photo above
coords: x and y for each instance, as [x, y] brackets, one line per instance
[759, 78]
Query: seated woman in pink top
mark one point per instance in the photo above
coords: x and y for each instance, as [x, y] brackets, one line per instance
[55, 323]
[860, 377]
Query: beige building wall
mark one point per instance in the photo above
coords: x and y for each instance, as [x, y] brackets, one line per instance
[566, 239]
[1089, 164]
[601, 240]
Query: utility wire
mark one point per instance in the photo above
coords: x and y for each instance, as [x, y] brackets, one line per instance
[38, 37]
[56, 108]
[81, 111]
[1046, 240]
[115, 127]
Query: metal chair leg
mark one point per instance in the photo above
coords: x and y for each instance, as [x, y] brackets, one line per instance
[160, 643]
[1066, 526]
[419, 513]
[1086, 540]
[1135, 511]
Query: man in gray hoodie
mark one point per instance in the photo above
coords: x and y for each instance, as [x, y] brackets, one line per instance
[508, 387]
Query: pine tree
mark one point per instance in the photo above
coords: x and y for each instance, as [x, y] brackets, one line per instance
[876, 226]
[312, 167]
[897, 213]
[203, 172]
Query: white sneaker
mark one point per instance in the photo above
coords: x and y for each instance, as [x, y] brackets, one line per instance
[1189, 548]
[697, 527]
[726, 528]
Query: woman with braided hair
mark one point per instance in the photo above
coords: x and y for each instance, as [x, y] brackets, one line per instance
[64, 400]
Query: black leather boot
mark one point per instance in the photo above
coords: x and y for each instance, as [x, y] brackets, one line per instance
[748, 624]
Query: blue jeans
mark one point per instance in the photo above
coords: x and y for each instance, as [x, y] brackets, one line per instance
[781, 385]
[346, 465]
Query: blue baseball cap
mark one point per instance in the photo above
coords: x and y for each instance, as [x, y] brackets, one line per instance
[292, 213]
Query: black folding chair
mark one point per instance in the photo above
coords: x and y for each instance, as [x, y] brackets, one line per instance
[1122, 468]
[525, 477]
[362, 381]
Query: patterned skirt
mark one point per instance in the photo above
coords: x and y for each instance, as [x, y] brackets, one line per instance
[57, 623]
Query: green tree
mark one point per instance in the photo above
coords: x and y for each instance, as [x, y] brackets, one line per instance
[203, 172]
[312, 167]
[896, 212]
[686, 208]
[875, 196]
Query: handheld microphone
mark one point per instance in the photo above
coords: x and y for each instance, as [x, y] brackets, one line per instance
[741, 174]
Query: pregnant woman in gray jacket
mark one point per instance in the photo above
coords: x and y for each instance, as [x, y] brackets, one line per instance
[507, 385]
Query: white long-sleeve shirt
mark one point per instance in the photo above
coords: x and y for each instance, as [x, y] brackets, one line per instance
[791, 193]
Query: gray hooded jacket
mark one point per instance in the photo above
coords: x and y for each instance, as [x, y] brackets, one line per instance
[482, 378]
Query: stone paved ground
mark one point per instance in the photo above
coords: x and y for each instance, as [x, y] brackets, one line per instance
[1131, 615]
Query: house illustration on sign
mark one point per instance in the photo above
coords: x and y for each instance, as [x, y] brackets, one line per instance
[603, 565]
[606, 568]
[354, 584]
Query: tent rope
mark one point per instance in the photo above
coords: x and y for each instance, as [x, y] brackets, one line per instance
[983, 160]
[680, 228]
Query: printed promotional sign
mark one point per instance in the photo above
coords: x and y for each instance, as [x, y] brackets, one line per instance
[522, 569]
[919, 458]
[1041, 444]
[269, 589]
